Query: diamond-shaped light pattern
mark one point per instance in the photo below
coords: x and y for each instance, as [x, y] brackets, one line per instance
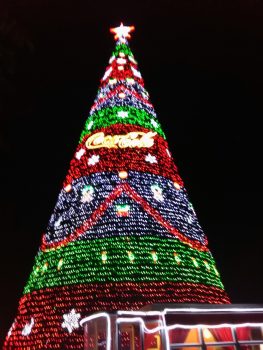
[123, 233]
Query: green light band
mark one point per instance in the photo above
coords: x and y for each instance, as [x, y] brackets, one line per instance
[82, 263]
[122, 48]
[109, 116]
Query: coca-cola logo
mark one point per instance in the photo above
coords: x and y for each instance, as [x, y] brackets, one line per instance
[132, 139]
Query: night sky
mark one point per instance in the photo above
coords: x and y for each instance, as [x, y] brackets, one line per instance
[202, 66]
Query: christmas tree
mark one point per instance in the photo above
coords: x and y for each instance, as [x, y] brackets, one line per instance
[123, 233]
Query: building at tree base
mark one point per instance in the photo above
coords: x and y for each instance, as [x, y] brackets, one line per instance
[177, 326]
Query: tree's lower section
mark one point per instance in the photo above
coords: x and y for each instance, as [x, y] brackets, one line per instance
[40, 323]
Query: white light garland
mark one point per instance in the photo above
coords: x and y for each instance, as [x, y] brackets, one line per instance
[98, 315]
[132, 60]
[111, 59]
[107, 73]
[154, 123]
[90, 125]
[28, 327]
[168, 152]
[136, 73]
[11, 329]
[80, 153]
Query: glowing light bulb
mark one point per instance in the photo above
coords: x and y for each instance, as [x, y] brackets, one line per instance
[176, 258]
[123, 174]
[60, 263]
[207, 265]
[68, 188]
[154, 256]
[177, 186]
[131, 256]
[104, 256]
[195, 262]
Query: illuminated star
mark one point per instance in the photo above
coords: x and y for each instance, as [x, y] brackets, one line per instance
[122, 32]
[151, 159]
[71, 321]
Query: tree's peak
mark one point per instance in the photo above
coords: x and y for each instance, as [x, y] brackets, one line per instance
[122, 33]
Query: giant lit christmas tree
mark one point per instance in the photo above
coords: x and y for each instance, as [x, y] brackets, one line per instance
[123, 233]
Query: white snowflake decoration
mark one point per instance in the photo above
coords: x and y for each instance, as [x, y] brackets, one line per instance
[154, 123]
[157, 193]
[122, 114]
[87, 194]
[71, 321]
[93, 160]
[90, 125]
[28, 327]
[151, 159]
[80, 153]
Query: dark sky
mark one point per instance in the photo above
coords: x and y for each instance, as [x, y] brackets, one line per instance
[202, 65]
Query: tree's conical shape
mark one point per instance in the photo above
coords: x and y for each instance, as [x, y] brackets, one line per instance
[123, 233]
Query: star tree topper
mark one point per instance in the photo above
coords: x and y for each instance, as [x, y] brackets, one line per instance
[122, 32]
